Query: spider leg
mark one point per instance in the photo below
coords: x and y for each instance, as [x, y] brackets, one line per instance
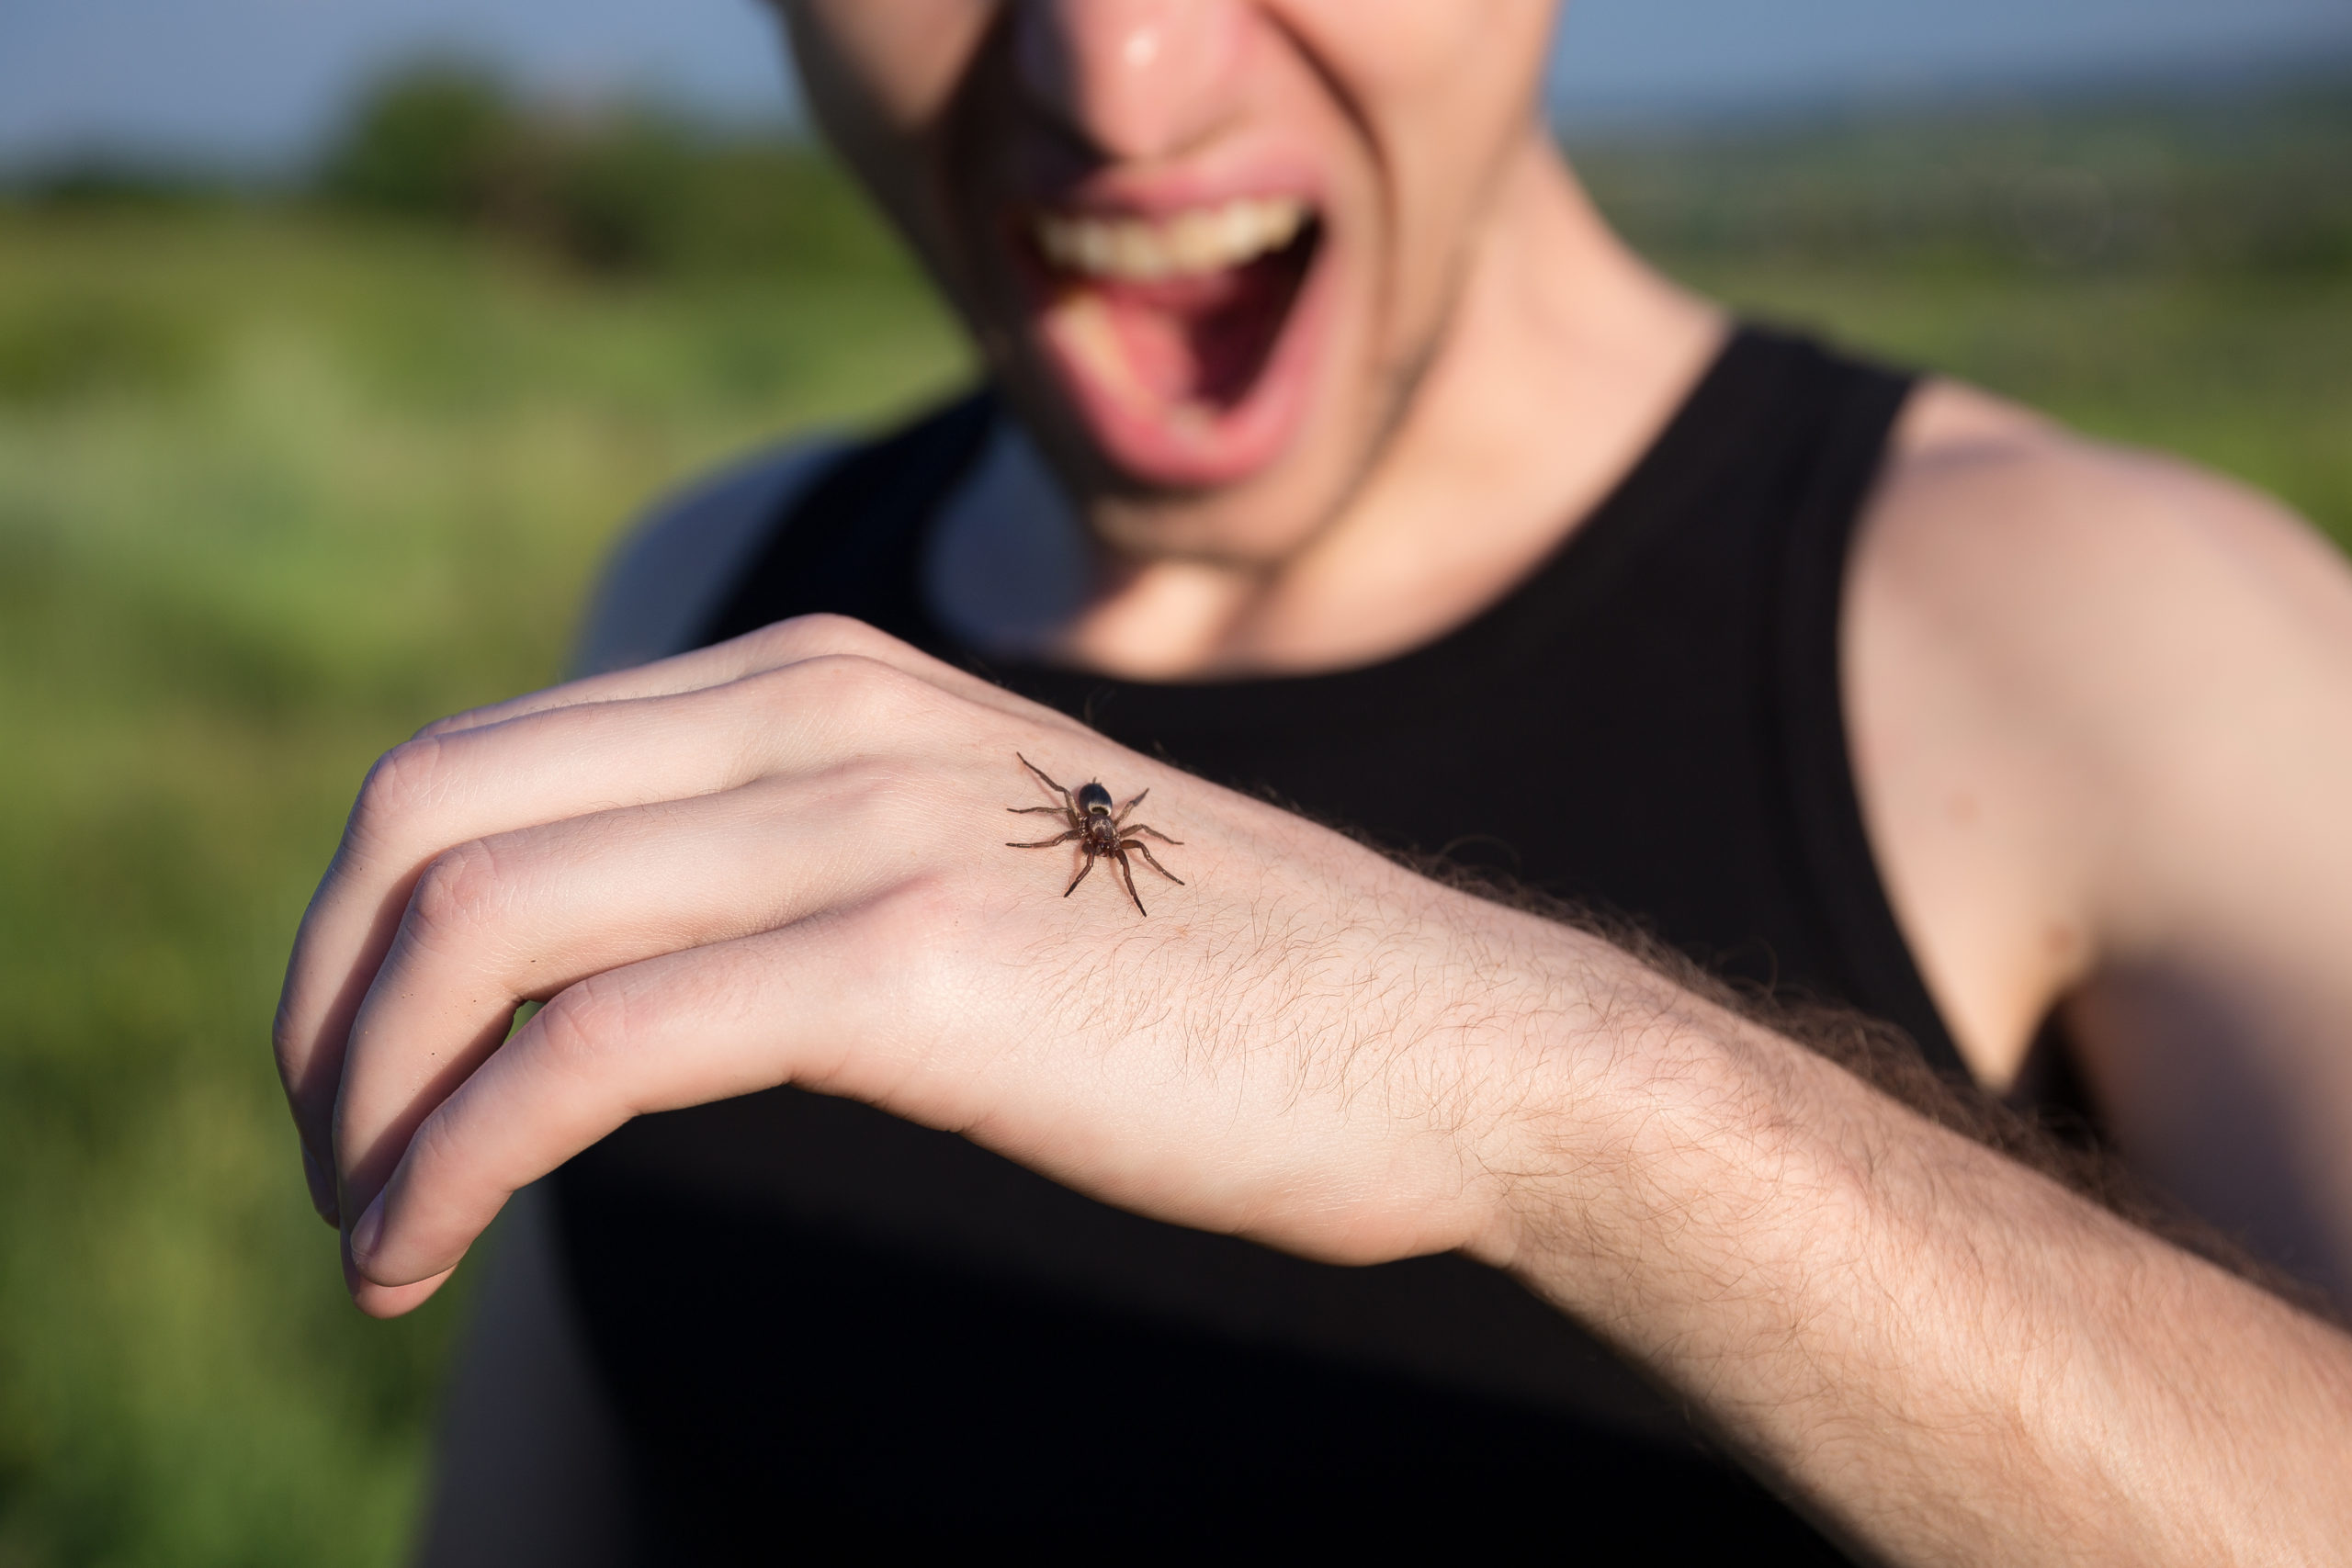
[1145, 850]
[1036, 810]
[1156, 833]
[1130, 806]
[1079, 878]
[1129, 873]
[1048, 782]
[1048, 843]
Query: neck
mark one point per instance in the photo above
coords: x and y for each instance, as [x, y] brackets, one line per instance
[1563, 359]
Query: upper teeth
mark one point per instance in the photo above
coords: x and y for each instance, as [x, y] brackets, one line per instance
[1141, 250]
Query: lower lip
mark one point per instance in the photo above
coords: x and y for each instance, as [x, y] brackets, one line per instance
[1181, 443]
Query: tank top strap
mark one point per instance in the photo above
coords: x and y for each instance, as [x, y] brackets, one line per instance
[1848, 410]
[846, 543]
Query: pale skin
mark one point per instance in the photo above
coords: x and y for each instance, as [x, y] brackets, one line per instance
[2099, 705]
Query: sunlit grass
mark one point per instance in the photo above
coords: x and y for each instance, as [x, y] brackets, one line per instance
[347, 481]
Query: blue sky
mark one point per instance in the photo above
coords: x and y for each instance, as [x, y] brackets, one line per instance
[259, 79]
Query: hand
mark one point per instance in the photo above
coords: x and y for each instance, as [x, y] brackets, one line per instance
[783, 860]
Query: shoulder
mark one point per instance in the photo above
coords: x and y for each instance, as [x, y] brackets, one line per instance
[2089, 690]
[2086, 578]
[668, 574]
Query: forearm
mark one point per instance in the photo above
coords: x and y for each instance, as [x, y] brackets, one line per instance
[1951, 1357]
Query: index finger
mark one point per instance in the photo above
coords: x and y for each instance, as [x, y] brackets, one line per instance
[769, 647]
[431, 795]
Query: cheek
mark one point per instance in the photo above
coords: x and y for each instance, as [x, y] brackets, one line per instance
[1438, 64]
[1445, 93]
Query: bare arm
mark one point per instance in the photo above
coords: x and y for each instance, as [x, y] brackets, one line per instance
[2103, 709]
[1950, 1359]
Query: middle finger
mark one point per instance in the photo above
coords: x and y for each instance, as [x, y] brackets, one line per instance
[522, 915]
[441, 791]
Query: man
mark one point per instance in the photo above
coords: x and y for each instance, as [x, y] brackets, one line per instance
[1349, 458]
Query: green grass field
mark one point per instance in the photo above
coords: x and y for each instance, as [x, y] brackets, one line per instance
[278, 486]
[287, 490]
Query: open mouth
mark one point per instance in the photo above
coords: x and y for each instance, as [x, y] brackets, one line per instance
[1180, 336]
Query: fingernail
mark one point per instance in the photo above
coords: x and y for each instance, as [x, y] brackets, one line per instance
[365, 1234]
[321, 1190]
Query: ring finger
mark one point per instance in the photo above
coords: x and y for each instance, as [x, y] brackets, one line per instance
[522, 915]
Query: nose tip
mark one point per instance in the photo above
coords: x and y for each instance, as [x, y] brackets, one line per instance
[1138, 79]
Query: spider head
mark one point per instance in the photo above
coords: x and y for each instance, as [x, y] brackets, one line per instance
[1093, 799]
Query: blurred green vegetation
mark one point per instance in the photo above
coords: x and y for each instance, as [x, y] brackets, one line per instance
[282, 478]
[617, 188]
[2173, 271]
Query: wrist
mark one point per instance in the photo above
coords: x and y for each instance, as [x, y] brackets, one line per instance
[1586, 1049]
[1650, 1132]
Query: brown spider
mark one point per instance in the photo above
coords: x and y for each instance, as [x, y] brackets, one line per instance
[1099, 831]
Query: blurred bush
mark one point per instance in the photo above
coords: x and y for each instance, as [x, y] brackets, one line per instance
[2252, 180]
[430, 141]
[57, 347]
[115, 183]
[624, 188]
[2248, 180]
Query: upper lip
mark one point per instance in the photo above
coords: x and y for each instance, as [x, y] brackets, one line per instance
[1200, 239]
[1250, 162]
[1249, 169]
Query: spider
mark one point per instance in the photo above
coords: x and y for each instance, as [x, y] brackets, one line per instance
[1099, 831]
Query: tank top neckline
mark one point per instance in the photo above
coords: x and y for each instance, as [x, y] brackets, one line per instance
[1489, 643]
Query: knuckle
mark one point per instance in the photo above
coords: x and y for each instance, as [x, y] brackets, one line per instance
[805, 637]
[290, 1047]
[458, 893]
[471, 718]
[403, 781]
[582, 1025]
[434, 1148]
[839, 634]
[466, 720]
[858, 691]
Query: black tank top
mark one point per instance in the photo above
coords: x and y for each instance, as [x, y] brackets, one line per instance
[813, 1316]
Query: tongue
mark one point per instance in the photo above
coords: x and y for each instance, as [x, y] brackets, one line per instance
[1197, 342]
